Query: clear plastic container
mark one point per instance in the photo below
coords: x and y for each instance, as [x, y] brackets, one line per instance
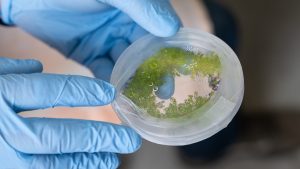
[205, 121]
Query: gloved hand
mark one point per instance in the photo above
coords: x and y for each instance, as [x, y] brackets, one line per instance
[92, 32]
[41, 143]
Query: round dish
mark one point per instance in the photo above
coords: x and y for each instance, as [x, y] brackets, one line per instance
[201, 123]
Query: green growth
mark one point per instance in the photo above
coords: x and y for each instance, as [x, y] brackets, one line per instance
[175, 61]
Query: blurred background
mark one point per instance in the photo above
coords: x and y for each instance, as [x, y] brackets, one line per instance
[265, 133]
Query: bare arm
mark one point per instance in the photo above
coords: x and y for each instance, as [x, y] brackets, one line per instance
[193, 14]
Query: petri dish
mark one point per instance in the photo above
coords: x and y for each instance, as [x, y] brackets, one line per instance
[178, 90]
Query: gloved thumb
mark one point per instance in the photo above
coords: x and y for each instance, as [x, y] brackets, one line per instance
[156, 16]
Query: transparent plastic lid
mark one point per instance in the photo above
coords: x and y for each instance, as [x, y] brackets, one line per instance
[178, 90]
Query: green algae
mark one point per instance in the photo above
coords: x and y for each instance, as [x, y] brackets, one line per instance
[176, 62]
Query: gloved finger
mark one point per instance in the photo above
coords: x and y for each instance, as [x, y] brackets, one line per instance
[156, 16]
[137, 32]
[103, 66]
[88, 6]
[166, 90]
[17, 66]
[118, 48]
[76, 161]
[56, 136]
[38, 91]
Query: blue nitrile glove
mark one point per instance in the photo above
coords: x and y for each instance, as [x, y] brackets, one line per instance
[92, 32]
[42, 143]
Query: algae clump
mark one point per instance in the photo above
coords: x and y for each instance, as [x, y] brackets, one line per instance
[176, 62]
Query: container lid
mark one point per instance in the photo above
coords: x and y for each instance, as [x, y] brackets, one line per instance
[178, 90]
